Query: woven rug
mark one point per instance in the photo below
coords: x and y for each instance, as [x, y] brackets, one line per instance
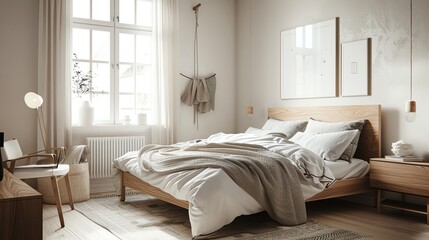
[143, 217]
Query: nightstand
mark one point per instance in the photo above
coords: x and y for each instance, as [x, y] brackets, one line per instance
[403, 177]
[20, 209]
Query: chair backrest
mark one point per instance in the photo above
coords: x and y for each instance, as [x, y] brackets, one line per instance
[11, 149]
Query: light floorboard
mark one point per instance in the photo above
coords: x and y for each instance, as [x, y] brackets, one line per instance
[337, 213]
[77, 226]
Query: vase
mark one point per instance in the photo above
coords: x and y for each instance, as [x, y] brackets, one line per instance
[86, 114]
[141, 118]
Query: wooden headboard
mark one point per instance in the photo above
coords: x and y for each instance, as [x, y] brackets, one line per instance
[370, 139]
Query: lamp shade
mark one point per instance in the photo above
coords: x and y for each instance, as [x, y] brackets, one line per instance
[33, 100]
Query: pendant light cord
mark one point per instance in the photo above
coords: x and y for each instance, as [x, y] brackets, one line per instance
[196, 46]
[411, 50]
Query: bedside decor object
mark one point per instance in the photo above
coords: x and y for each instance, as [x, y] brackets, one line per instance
[410, 106]
[401, 148]
[35, 101]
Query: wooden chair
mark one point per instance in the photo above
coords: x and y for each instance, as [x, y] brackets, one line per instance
[12, 153]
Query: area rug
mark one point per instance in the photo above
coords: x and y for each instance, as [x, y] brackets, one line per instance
[143, 217]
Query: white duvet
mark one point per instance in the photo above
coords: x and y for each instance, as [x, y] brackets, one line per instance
[214, 198]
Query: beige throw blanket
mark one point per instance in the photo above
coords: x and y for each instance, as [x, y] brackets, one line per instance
[265, 175]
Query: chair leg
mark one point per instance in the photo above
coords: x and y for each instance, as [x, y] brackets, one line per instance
[69, 193]
[57, 199]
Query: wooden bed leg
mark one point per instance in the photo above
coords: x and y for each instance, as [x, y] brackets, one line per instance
[122, 187]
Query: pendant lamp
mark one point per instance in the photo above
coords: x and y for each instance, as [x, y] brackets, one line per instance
[410, 105]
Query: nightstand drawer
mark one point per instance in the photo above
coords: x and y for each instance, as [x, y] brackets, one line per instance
[400, 177]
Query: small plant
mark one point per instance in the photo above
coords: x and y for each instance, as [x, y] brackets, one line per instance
[81, 82]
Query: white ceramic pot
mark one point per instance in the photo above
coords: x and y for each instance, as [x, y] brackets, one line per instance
[141, 118]
[86, 114]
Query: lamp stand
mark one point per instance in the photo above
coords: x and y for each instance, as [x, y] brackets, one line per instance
[42, 127]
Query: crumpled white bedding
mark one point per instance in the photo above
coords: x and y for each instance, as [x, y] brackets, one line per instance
[214, 198]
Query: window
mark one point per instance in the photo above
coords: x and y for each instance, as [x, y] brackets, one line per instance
[113, 44]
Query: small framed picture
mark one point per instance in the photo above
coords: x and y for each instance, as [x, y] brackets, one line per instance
[355, 68]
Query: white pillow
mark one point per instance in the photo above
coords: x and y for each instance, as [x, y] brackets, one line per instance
[289, 128]
[256, 131]
[261, 132]
[315, 126]
[329, 146]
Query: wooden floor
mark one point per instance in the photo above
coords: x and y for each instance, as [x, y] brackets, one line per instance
[337, 213]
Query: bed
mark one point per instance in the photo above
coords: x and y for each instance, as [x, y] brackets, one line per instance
[369, 146]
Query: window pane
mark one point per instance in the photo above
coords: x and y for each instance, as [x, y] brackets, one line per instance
[101, 10]
[81, 43]
[101, 45]
[143, 79]
[81, 8]
[126, 11]
[144, 101]
[144, 13]
[126, 106]
[144, 49]
[126, 47]
[101, 77]
[126, 78]
[101, 104]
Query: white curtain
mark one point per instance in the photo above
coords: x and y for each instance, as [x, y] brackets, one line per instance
[54, 70]
[166, 14]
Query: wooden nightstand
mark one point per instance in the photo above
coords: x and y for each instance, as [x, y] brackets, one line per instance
[20, 210]
[404, 177]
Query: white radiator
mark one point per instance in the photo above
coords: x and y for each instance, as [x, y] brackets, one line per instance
[103, 150]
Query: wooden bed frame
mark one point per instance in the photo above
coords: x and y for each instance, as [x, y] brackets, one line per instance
[369, 146]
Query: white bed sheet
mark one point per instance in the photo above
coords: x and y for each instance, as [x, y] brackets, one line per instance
[214, 198]
[353, 169]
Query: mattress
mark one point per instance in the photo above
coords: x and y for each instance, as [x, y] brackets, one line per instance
[341, 169]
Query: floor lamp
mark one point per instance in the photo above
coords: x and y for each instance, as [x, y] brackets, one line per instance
[35, 101]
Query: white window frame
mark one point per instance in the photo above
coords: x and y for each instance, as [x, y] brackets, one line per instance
[115, 28]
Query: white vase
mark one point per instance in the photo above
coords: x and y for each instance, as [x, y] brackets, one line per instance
[141, 118]
[86, 114]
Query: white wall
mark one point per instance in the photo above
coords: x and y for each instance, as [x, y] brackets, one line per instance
[18, 70]
[386, 22]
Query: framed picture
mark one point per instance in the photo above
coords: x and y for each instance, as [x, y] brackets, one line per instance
[355, 68]
[309, 60]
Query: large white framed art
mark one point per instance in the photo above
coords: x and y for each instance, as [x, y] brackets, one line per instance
[355, 68]
[309, 61]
